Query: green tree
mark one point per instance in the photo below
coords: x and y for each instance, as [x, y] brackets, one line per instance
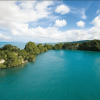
[31, 47]
[10, 48]
[2, 66]
[49, 47]
[93, 45]
[58, 47]
[12, 59]
[23, 53]
[42, 48]
[31, 58]
[71, 46]
[2, 55]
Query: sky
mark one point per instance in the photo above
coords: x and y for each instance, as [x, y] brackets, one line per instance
[49, 21]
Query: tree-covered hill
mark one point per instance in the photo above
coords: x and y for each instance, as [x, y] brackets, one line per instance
[11, 56]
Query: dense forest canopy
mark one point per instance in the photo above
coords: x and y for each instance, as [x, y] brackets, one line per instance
[93, 45]
[11, 56]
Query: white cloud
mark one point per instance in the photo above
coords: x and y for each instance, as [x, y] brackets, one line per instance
[83, 14]
[98, 11]
[53, 34]
[11, 14]
[79, 12]
[94, 30]
[81, 24]
[63, 9]
[4, 37]
[15, 18]
[96, 21]
[28, 5]
[60, 23]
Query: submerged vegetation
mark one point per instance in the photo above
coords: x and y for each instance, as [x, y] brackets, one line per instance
[11, 56]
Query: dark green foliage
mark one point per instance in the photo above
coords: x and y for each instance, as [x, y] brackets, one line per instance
[45, 49]
[61, 44]
[70, 46]
[13, 56]
[93, 45]
[0, 49]
[42, 48]
[2, 55]
[39, 45]
[13, 59]
[31, 58]
[31, 47]
[10, 48]
[2, 66]
[49, 47]
[58, 46]
[45, 45]
[23, 53]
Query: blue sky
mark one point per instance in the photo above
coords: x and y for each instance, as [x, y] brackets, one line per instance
[49, 21]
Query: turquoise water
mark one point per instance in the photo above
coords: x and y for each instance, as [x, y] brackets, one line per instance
[55, 75]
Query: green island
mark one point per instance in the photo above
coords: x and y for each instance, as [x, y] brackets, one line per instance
[11, 56]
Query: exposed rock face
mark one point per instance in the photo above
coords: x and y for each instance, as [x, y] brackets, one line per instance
[34, 59]
[2, 61]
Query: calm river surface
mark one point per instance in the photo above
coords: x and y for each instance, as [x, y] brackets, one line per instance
[55, 75]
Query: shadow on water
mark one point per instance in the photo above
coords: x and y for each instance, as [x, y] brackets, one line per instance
[12, 71]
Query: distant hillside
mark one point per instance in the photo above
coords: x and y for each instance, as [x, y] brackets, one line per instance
[78, 41]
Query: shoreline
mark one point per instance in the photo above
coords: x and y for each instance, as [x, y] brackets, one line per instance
[11, 56]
